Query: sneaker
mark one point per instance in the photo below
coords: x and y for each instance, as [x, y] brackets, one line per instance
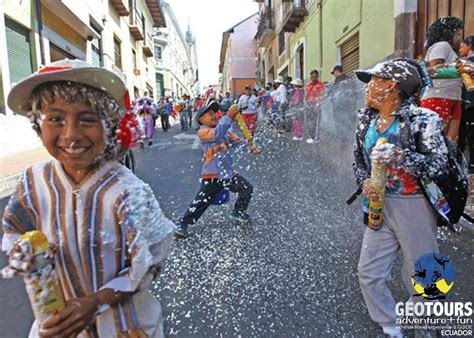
[392, 331]
[294, 138]
[150, 143]
[240, 218]
[310, 141]
[182, 231]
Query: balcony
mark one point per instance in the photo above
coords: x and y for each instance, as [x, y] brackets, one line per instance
[121, 7]
[136, 25]
[294, 13]
[148, 47]
[266, 27]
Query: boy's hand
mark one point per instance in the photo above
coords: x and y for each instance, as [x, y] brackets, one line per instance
[233, 110]
[368, 191]
[78, 313]
[254, 150]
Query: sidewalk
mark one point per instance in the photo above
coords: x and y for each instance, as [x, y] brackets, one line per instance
[13, 165]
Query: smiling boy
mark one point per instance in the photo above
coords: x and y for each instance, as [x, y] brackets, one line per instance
[111, 235]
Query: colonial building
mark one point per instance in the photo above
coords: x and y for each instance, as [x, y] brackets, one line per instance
[115, 34]
[175, 58]
[238, 59]
[296, 36]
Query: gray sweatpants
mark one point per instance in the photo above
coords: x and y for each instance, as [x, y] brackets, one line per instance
[409, 224]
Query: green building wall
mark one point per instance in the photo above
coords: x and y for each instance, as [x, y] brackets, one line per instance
[373, 19]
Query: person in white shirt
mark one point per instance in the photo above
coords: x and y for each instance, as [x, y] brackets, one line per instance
[444, 98]
[248, 106]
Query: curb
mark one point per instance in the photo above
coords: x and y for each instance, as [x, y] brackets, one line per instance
[8, 185]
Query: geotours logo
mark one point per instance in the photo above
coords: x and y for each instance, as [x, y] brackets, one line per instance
[434, 276]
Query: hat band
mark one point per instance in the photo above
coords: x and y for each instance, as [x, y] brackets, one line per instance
[53, 69]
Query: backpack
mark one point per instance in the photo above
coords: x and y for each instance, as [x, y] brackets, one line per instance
[448, 194]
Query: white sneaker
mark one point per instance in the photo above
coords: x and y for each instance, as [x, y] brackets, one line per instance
[310, 141]
[294, 138]
[392, 331]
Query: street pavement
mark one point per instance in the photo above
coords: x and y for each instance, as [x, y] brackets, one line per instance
[292, 272]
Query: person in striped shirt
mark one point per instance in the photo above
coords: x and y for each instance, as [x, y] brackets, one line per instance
[111, 235]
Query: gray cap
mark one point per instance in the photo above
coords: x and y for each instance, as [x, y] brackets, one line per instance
[404, 71]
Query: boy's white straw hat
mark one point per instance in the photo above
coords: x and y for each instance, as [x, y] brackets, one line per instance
[19, 98]
[297, 82]
[279, 79]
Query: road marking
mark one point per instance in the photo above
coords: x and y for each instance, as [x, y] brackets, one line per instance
[195, 144]
[185, 136]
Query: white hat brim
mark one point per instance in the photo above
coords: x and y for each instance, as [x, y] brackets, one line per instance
[19, 98]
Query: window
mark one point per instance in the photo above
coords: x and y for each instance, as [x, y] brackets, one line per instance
[96, 46]
[158, 53]
[117, 53]
[134, 57]
[281, 42]
[350, 54]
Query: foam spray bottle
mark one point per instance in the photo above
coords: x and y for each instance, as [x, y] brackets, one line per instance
[378, 180]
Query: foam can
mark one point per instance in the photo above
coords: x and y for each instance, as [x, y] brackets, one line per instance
[378, 181]
[41, 280]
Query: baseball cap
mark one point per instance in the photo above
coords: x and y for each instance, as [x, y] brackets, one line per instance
[19, 98]
[337, 67]
[404, 71]
[212, 105]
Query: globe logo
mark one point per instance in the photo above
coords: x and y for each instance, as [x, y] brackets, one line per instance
[434, 276]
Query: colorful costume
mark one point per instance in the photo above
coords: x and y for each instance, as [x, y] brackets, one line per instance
[110, 232]
[217, 173]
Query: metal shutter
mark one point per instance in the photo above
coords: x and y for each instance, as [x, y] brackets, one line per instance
[350, 54]
[19, 51]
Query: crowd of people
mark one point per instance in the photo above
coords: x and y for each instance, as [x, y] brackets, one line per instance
[110, 235]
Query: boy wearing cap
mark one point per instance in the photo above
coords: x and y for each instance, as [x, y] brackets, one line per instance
[111, 234]
[416, 149]
[217, 172]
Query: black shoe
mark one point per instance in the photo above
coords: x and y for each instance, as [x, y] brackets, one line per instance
[150, 143]
[182, 231]
[240, 218]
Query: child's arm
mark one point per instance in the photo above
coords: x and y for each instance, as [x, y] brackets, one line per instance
[218, 133]
[19, 216]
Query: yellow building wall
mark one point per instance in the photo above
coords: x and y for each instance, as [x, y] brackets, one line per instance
[373, 19]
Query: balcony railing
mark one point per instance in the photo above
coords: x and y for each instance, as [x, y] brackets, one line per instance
[136, 25]
[148, 46]
[266, 27]
[294, 13]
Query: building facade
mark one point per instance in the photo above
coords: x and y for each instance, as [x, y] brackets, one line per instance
[115, 34]
[297, 36]
[238, 59]
[175, 59]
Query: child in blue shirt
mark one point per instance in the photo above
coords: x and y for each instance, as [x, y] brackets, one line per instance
[217, 173]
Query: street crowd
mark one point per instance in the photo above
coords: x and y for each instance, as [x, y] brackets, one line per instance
[111, 238]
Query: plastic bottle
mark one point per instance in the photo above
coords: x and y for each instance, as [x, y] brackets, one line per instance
[378, 180]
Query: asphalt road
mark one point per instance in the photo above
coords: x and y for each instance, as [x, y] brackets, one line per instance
[291, 273]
